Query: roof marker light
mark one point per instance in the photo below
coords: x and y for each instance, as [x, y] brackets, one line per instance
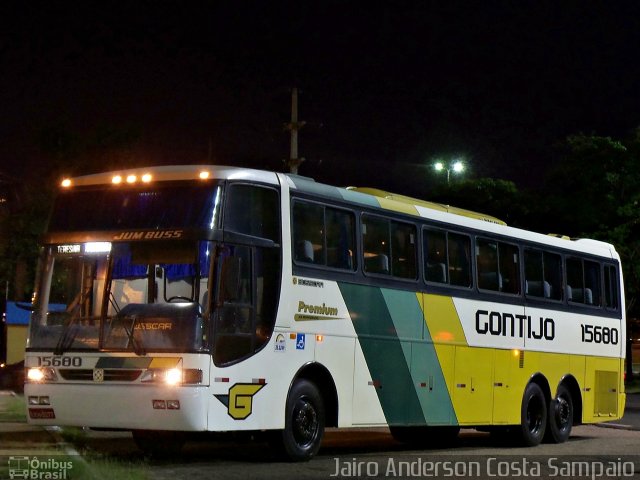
[204, 175]
[146, 178]
[66, 183]
[131, 179]
[116, 179]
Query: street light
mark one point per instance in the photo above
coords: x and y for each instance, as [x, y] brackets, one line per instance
[457, 166]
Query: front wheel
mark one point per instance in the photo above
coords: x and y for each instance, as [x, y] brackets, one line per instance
[533, 416]
[560, 419]
[304, 422]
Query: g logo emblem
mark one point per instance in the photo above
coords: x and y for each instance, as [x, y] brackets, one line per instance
[239, 401]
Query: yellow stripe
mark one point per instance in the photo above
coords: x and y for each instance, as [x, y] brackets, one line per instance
[397, 206]
[443, 320]
[164, 362]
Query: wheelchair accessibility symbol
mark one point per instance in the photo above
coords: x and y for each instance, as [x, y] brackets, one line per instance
[300, 341]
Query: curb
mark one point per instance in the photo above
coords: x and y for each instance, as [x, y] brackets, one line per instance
[70, 450]
[617, 426]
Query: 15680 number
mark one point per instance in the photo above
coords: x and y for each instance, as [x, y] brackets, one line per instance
[59, 361]
[598, 334]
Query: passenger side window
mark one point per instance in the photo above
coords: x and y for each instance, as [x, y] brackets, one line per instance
[389, 247]
[403, 250]
[323, 235]
[447, 258]
[340, 228]
[435, 257]
[543, 274]
[498, 267]
[592, 282]
[583, 281]
[308, 230]
[375, 242]
[459, 251]
[611, 292]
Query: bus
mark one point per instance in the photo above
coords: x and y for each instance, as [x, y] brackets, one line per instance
[181, 299]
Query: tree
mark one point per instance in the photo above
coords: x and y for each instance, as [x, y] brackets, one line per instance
[594, 191]
[497, 197]
[592, 179]
[62, 152]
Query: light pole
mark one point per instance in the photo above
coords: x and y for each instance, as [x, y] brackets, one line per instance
[457, 166]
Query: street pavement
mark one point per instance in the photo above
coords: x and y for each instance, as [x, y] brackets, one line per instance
[631, 418]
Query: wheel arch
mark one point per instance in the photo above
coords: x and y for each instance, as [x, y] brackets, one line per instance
[572, 385]
[320, 376]
[543, 383]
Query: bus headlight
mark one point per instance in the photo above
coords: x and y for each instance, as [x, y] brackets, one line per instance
[41, 375]
[172, 376]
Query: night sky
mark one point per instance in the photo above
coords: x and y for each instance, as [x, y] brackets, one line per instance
[386, 86]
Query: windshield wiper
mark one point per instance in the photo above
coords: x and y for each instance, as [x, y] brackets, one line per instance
[138, 348]
[74, 309]
[67, 337]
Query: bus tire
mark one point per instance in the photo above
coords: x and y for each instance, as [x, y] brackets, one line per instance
[159, 444]
[560, 417]
[304, 423]
[533, 416]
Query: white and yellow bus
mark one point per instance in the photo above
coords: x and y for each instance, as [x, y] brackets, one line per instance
[216, 299]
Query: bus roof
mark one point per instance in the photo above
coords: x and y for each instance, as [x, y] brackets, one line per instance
[371, 197]
[170, 173]
[376, 198]
[424, 203]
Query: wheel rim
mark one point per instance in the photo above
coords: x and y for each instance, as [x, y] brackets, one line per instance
[534, 415]
[305, 422]
[562, 413]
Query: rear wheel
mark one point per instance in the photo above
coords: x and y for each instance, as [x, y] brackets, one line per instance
[304, 422]
[533, 416]
[560, 419]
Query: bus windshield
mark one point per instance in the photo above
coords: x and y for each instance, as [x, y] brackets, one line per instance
[100, 209]
[137, 296]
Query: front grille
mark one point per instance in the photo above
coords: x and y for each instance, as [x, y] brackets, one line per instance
[76, 374]
[117, 375]
[110, 374]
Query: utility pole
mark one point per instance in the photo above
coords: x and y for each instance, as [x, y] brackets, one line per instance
[294, 162]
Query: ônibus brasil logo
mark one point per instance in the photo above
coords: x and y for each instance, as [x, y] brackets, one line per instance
[41, 469]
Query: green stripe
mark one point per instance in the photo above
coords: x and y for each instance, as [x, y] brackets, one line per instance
[328, 191]
[439, 406]
[400, 354]
[385, 355]
[420, 354]
[361, 198]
